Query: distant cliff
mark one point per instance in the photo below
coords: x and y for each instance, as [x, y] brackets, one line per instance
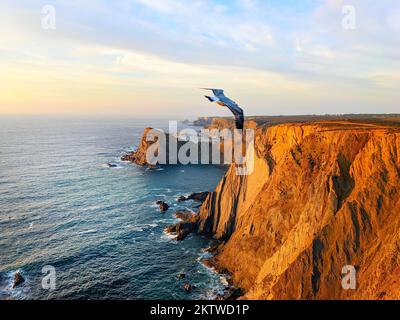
[226, 122]
[202, 121]
[139, 156]
[322, 196]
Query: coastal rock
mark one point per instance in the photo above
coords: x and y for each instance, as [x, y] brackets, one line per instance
[150, 137]
[181, 198]
[185, 227]
[322, 196]
[196, 196]
[163, 205]
[171, 229]
[187, 287]
[230, 293]
[139, 156]
[18, 279]
[214, 248]
[112, 165]
[187, 216]
[181, 229]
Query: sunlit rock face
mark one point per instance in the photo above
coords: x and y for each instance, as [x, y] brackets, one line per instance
[322, 196]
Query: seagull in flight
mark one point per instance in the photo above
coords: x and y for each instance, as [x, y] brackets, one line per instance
[224, 101]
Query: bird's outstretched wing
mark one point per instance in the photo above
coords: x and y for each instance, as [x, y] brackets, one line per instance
[217, 92]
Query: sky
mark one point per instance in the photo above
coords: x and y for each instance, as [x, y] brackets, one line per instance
[150, 57]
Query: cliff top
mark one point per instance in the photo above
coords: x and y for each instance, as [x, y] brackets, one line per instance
[367, 124]
[358, 121]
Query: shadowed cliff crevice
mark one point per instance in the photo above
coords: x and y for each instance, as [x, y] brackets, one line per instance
[343, 184]
[317, 247]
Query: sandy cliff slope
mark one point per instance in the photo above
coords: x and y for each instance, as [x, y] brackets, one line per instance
[322, 196]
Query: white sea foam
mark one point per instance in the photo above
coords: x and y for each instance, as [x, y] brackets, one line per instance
[168, 237]
[88, 231]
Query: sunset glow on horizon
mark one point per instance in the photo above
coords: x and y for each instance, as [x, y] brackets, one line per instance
[150, 57]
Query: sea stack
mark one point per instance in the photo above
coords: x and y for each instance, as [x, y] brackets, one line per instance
[163, 205]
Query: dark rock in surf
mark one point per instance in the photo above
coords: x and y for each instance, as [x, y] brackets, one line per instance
[187, 216]
[196, 196]
[181, 229]
[185, 227]
[181, 198]
[163, 205]
[187, 287]
[18, 279]
[171, 229]
[111, 165]
[230, 293]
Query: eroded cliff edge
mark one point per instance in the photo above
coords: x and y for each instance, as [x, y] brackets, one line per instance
[322, 195]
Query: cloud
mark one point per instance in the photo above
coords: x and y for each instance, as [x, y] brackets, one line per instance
[271, 51]
[159, 5]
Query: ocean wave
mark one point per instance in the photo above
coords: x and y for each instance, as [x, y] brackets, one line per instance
[88, 231]
[219, 281]
[142, 227]
[168, 237]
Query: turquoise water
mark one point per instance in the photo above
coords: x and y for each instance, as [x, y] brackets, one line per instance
[99, 227]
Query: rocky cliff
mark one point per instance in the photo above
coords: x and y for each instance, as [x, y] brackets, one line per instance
[150, 138]
[322, 196]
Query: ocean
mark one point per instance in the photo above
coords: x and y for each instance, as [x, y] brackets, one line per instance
[99, 227]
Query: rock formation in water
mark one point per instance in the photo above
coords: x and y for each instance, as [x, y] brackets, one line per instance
[162, 205]
[139, 155]
[180, 145]
[187, 225]
[195, 196]
[18, 279]
[322, 196]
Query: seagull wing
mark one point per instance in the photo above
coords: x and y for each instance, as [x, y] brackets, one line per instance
[217, 92]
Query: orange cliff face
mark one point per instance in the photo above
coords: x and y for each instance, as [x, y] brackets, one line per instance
[322, 196]
[139, 156]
